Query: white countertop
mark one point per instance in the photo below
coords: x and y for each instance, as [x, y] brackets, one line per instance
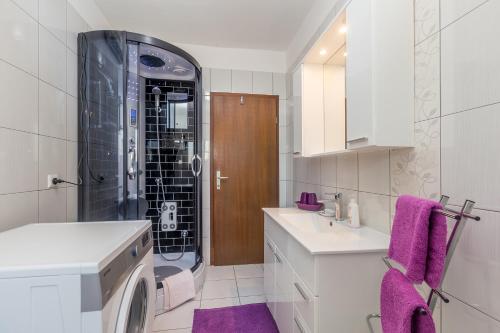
[318, 237]
[65, 248]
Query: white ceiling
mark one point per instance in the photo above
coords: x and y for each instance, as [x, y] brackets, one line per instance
[251, 24]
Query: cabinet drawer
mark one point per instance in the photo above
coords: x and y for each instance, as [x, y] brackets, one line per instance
[303, 263]
[305, 303]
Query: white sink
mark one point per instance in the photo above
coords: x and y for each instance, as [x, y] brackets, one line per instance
[310, 223]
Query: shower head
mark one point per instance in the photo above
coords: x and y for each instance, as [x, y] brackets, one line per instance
[157, 91]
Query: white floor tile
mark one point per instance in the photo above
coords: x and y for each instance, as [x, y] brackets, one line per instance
[181, 317]
[252, 299]
[249, 271]
[251, 287]
[220, 273]
[219, 303]
[219, 289]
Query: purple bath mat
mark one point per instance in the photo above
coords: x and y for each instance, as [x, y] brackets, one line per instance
[251, 318]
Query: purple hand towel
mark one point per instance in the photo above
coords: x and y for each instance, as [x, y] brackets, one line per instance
[418, 239]
[399, 302]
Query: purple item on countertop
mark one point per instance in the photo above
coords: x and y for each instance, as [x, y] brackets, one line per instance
[254, 318]
[312, 199]
[418, 239]
[303, 197]
[312, 208]
[398, 302]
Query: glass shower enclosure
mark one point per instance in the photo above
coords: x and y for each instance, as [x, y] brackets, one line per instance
[140, 139]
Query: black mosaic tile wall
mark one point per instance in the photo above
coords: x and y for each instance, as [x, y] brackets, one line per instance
[175, 160]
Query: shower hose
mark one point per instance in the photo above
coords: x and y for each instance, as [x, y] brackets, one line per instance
[159, 182]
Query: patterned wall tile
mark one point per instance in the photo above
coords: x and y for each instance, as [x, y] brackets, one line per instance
[426, 19]
[417, 170]
[427, 79]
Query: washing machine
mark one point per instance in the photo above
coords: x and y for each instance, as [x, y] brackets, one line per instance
[92, 277]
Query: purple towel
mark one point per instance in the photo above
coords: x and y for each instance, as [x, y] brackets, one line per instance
[418, 239]
[398, 304]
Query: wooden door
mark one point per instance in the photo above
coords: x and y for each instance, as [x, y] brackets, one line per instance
[244, 136]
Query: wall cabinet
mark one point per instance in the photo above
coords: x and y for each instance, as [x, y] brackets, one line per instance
[355, 87]
[308, 110]
[379, 73]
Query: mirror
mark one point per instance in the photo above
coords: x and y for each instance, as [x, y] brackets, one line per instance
[177, 110]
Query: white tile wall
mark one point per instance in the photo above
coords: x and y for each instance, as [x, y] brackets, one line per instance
[220, 80]
[476, 177]
[38, 129]
[374, 172]
[469, 60]
[18, 90]
[18, 161]
[456, 152]
[52, 59]
[452, 10]
[52, 111]
[19, 36]
[347, 171]
[241, 82]
[262, 83]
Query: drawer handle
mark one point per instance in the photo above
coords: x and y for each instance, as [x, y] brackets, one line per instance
[363, 138]
[302, 292]
[299, 325]
[278, 258]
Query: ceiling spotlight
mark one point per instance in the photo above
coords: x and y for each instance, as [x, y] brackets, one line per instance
[343, 29]
[322, 52]
[345, 54]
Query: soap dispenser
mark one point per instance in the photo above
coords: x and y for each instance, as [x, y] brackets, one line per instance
[353, 214]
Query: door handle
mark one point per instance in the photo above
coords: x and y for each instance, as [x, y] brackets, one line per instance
[198, 172]
[132, 159]
[218, 179]
[301, 292]
[363, 138]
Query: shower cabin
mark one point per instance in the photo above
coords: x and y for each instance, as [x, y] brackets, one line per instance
[140, 140]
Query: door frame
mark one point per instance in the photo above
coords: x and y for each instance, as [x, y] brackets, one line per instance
[212, 184]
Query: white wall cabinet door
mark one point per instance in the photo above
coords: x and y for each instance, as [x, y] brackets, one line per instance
[269, 274]
[358, 72]
[380, 73]
[297, 111]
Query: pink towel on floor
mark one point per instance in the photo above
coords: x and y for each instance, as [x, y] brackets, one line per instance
[418, 239]
[399, 302]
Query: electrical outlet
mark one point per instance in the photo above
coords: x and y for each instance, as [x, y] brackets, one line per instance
[49, 181]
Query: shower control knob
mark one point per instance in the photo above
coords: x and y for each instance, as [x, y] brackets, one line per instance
[172, 226]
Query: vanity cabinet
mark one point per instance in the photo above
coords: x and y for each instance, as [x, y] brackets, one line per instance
[318, 293]
[379, 73]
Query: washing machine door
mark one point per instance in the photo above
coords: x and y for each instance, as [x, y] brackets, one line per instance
[135, 312]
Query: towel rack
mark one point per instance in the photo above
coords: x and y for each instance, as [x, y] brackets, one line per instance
[460, 217]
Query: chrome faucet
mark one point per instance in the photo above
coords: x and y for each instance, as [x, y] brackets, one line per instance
[336, 199]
